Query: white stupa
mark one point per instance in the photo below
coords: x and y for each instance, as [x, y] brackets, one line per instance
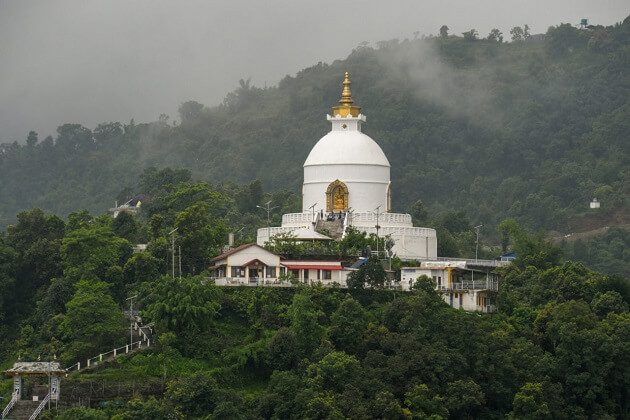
[347, 175]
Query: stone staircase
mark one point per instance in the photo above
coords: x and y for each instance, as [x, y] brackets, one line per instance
[23, 409]
[331, 228]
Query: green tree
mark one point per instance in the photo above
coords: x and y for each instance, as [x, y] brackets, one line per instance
[125, 226]
[444, 31]
[370, 273]
[282, 350]
[347, 325]
[471, 35]
[517, 34]
[91, 251]
[183, 306]
[305, 322]
[334, 371]
[530, 403]
[82, 413]
[93, 323]
[199, 236]
[463, 398]
[423, 404]
[141, 267]
[495, 35]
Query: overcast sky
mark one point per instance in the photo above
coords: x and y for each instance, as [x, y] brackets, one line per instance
[113, 60]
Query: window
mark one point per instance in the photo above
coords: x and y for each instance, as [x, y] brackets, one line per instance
[327, 274]
[270, 272]
[439, 282]
[238, 272]
[319, 274]
[305, 274]
[283, 271]
[295, 273]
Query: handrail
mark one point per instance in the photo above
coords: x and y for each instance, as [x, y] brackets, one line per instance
[10, 405]
[40, 407]
[116, 352]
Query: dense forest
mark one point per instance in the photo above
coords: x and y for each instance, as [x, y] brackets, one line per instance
[519, 136]
[531, 129]
[557, 348]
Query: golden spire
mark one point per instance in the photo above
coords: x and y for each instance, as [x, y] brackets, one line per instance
[346, 107]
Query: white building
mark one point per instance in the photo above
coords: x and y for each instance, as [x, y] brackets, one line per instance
[470, 285]
[347, 174]
[252, 265]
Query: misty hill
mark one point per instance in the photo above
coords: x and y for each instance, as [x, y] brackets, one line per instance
[531, 129]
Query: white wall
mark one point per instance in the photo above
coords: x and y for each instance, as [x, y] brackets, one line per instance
[251, 253]
[367, 185]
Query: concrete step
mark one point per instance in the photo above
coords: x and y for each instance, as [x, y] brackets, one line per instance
[23, 409]
[332, 228]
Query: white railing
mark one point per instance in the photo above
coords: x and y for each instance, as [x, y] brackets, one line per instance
[265, 234]
[244, 281]
[14, 398]
[305, 218]
[249, 281]
[145, 342]
[476, 285]
[384, 219]
[472, 261]
[398, 231]
[40, 407]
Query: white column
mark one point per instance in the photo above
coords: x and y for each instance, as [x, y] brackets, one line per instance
[17, 386]
[55, 388]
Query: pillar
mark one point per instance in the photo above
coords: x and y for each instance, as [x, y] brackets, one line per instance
[17, 386]
[55, 387]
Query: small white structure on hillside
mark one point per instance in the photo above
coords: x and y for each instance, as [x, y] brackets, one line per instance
[347, 183]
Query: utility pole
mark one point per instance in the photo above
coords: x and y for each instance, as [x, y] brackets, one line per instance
[378, 212]
[477, 241]
[268, 208]
[130, 299]
[180, 261]
[49, 381]
[172, 233]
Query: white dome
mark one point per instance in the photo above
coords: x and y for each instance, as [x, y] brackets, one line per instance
[346, 147]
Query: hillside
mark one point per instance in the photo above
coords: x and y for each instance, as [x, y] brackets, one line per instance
[531, 129]
[557, 347]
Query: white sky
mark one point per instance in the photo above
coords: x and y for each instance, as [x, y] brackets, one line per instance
[113, 60]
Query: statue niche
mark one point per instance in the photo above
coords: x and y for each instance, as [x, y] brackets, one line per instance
[337, 197]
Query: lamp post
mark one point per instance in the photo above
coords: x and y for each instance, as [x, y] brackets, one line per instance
[268, 208]
[477, 241]
[378, 212]
[313, 210]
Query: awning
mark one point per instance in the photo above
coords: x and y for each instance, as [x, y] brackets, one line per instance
[313, 267]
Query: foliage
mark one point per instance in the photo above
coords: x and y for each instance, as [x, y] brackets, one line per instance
[183, 306]
[371, 273]
[557, 348]
[92, 321]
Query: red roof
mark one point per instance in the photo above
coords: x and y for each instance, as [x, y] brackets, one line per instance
[312, 267]
[232, 251]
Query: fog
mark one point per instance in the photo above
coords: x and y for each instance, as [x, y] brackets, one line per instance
[94, 61]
